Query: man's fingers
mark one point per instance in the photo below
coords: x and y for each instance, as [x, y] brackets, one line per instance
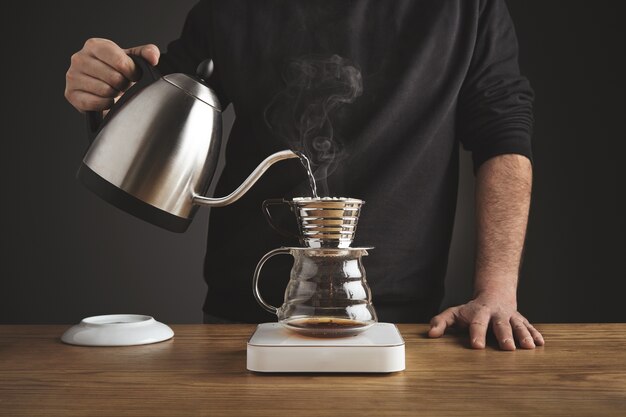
[84, 82]
[95, 68]
[148, 52]
[440, 322]
[503, 332]
[112, 55]
[84, 101]
[478, 329]
[536, 335]
[101, 71]
[522, 335]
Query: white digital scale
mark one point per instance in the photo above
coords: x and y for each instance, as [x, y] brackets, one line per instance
[272, 348]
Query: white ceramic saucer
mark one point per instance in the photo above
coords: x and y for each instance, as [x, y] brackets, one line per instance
[117, 330]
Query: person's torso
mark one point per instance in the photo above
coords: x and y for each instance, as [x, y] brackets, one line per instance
[398, 145]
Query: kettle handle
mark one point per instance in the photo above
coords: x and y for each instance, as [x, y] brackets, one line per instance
[257, 273]
[149, 74]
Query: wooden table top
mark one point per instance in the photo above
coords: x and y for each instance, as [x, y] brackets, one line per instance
[580, 372]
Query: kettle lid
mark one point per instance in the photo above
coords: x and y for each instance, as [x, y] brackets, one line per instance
[195, 88]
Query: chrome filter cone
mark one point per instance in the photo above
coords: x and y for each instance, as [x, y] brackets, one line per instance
[327, 222]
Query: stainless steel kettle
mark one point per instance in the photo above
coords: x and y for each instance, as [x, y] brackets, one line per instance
[155, 153]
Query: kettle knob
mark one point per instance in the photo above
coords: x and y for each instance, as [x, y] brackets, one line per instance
[205, 69]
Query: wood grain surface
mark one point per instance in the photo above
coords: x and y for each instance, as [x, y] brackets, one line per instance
[202, 372]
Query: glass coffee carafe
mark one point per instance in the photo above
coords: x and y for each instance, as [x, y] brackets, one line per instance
[327, 294]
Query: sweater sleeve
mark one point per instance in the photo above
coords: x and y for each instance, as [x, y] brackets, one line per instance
[192, 47]
[495, 102]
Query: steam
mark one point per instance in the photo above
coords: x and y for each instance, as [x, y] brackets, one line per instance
[302, 114]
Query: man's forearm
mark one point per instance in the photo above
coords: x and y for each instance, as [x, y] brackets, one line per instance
[503, 188]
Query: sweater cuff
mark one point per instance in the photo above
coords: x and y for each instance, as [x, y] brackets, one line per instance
[509, 145]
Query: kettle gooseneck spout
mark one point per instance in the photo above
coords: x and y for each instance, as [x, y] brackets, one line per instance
[247, 184]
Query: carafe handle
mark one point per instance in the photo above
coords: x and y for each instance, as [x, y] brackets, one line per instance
[257, 273]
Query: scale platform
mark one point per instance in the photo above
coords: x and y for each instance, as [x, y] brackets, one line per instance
[272, 348]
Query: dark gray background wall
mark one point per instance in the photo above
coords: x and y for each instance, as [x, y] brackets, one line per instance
[66, 254]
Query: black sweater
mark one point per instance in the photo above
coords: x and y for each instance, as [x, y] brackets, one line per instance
[435, 73]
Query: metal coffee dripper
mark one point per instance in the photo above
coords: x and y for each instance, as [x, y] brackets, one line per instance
[327, 294]
[323, 222]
